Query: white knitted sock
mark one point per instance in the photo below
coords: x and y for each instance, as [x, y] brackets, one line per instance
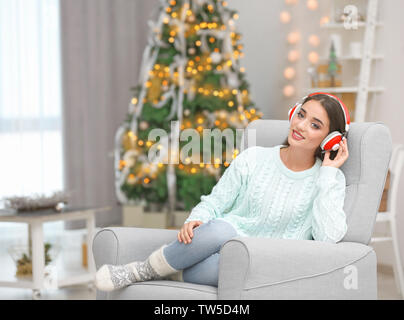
[110, 277]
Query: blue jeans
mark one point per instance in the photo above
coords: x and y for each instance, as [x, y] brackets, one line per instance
[199, 259]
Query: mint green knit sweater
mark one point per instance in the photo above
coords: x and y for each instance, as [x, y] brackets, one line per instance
[260, 197]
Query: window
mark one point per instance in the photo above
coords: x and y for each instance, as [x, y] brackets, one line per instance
[31, 155]
[31, 159]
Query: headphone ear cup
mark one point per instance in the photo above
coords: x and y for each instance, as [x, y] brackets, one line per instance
[331, 142]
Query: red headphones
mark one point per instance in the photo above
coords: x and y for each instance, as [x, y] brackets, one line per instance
[331, 142]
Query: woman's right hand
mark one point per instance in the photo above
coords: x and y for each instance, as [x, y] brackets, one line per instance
[186, 233]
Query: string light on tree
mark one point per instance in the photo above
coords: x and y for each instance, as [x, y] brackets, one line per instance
[143, 125]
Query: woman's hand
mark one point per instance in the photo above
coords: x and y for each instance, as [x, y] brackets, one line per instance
[186, 233]
[340, 158]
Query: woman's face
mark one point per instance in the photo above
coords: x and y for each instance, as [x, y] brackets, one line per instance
[309, 126]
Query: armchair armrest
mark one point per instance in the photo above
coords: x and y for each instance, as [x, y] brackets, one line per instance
[122, 245]
[263, 268]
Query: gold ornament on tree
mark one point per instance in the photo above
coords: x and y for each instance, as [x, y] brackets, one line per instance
[128, 141]
[154, 92]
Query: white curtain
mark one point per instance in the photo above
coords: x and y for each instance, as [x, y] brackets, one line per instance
[102, 47]
[31, 159]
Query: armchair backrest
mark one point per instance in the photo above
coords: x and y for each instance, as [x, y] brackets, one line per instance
[370, 148]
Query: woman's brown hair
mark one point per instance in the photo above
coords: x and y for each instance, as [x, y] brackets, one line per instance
[335, 116]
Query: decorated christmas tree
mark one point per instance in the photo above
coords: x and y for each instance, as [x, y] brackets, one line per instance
[190, 78]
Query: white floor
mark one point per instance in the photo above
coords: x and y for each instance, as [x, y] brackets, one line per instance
[69, 261]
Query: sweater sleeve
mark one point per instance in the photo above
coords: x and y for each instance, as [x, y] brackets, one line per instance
[226, 190]
[329, 219]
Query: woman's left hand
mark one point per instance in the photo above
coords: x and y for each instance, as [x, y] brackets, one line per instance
[340, 158]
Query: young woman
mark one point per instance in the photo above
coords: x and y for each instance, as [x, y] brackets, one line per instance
[291, 191]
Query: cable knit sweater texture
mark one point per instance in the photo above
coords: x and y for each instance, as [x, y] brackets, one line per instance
[260, 197]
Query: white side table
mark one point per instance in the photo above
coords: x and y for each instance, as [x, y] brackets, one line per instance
[35, 220]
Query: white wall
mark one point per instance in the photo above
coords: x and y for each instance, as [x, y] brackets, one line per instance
[265, 49]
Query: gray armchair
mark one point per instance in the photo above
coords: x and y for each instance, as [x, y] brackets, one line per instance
[261, 268]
